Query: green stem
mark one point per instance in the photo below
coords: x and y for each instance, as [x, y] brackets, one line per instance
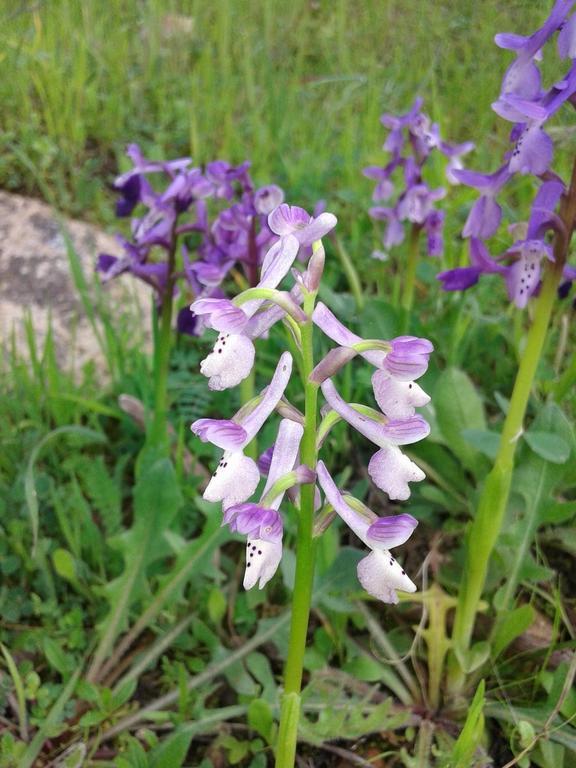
[487, 523]
[158, 435]
[410, 276]
[486, 526]
[302, 596]
[247, 392]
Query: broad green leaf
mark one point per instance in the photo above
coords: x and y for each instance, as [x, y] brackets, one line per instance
[261, 719]
[548, 445]
[64, 564]
[57, 658]
[458, 408]
[472, 732]
[172, 751]
[483, 440]
[535, 480]
[379, 320]
[510, 626]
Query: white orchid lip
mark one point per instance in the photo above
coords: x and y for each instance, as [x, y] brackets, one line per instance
[379, 573]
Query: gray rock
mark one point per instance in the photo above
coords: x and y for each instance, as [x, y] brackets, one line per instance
[36, 283]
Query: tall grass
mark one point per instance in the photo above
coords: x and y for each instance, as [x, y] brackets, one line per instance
[297, 87]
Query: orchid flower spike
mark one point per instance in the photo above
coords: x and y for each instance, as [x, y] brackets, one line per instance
[262, 523]
[290, 220]
[379, 573]
[395, 390]
[236, 476]
[232, 358]
[389, 468]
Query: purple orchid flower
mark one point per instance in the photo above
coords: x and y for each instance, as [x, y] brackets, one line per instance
[262, 523]
[462, 278]
[232, 358]
[389, 468]
[523, 275]
[291, 220]
[485, 215]
[236, 477]
[380, 573]
[395, 389]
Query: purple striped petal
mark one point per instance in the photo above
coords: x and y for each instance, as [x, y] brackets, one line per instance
[220, 314]
[408, 358]
[393, 530]
[406, 431]
[221, 432]
[254, 521]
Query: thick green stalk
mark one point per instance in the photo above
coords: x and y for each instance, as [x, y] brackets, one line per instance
[410, 276]
[158, 435]
[302, 596]
[487, 523]
[486, 526]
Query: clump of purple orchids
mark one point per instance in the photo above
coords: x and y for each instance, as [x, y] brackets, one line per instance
[398, 364]
[411, 141]
[177, 217]
[529, 106]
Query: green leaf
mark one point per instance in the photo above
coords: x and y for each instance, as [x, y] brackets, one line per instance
[261, 719]
[379, 320]
[473, 658]
[459, 408]
[216, 605]
[157, 499]
[548, 445]
[64, 564]
[510, 626]
[57, 657]
[483, 440]
[534, 480]
[172, 751]
[472, 732]
[29, 477]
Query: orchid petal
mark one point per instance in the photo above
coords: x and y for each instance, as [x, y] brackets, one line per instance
[353, 520]
[270, 397]
[221, 432]
[391, 471]
[381, 575]
[222, 314]
[235, 479]
[230, 361]
[262, 561]
[391, 531]
[397, 399]
[285, 454]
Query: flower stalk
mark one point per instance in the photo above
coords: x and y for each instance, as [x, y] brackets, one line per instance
[486, 526]
[302, 593]
[410, 276]
[158, 435]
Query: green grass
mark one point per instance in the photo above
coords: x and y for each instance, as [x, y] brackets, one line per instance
[296, 87]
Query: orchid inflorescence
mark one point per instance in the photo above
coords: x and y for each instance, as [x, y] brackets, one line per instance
[529, 106]
[398, 363]
[232, 231]
[411, 141]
